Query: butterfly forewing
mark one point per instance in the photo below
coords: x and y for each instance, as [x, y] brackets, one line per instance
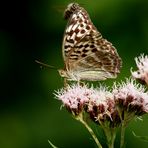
[79, 26]
[86, 54]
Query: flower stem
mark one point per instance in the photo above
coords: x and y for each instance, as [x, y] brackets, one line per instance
[127, 117]
[122, 136]
[123, 127]
[110, 136]
[80, 118]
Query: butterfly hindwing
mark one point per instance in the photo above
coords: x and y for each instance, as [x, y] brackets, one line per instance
[94, 54]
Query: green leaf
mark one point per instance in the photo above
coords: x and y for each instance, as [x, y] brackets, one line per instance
[52, 145]
[143, 138]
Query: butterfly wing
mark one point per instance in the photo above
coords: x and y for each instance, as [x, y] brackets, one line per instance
[94, 55]
[85, 52]
[78, 26]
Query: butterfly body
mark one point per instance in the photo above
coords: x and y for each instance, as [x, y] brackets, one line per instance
[87, 55]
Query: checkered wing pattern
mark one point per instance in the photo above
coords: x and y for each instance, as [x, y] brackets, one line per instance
[85, 52]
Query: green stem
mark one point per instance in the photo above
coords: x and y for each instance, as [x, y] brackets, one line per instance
[80, 118]
[110, 136]
[123, 127]
[122, 135]
[124, 122]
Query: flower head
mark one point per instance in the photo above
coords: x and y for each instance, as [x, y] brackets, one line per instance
[74, 97]
[131, 97]
[142, 72]
[99, 103]
[99, 100]
[101, 107]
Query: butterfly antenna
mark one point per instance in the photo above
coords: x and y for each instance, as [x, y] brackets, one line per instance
[45, 65]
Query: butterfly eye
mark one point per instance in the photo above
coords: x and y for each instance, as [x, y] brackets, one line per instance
[62, 72]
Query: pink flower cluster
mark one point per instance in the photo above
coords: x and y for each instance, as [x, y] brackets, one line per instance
[102, 105]
[74, 97]
[131, 97]
[142, 72]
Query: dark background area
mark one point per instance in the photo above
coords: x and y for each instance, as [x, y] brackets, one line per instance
[30, 30]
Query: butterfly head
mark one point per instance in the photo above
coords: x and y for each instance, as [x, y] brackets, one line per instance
[71, 8]
[63, 73]
[68, 75]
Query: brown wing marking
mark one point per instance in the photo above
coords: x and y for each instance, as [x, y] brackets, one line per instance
[94, 53]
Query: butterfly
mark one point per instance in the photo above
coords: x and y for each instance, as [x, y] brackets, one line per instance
[87, 55]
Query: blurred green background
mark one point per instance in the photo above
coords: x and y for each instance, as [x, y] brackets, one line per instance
[30, 30]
